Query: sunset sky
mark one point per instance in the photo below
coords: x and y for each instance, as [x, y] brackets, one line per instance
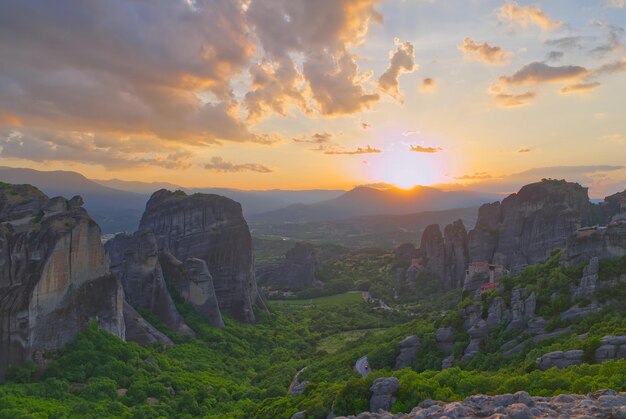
[300, 94]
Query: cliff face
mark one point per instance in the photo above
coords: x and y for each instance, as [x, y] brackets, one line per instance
[601, 242]
[135, 262]
[528, 225]
[296, 272]
[194, 283]
[54, 275]
[446, 255]
[210, 228]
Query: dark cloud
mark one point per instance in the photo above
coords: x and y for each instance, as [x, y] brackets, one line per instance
[568, 42]
[402, 60]
[613, 43]
[365, 125]
[612, 68]
[555, 56]
[484, 52]
[218, 164]
[422, 149]
[525, 150]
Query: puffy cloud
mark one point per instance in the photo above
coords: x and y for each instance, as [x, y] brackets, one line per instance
[538, 72]
[614, 4]
[503, 99]
[359, 150]
[317, 138]
[422, 149]
[525, 16]
[277, 86]
[428, 85]
[402, 60]
[321, 32]
[218, 164]
[337, 84]
[484, 52]
[584, 87]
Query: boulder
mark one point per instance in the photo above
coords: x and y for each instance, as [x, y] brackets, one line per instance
[560, 359]
[382, 393]
[408, 352]
[54, 276]
[211, 228]
[445, 339]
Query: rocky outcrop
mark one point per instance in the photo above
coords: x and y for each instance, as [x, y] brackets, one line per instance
[611, 348]
[599, 404]
[296, 272]
[612, 206]
[54, 275]
[560, 359]
[135, 262]
[382, 390]
[445, 339]
[433, 248]
[528, 225]
[522, 310]
[446, 255]
[210, 228]
[589, 280]
[193, 282]
[607, 242]
[408, 352]
[405, 253]
[140, 331]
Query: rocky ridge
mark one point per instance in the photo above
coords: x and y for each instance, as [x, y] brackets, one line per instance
[295, 272]
[600, 404]
[54, 275]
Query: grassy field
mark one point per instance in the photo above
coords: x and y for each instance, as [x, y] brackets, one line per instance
[352, 297]
[333, 343]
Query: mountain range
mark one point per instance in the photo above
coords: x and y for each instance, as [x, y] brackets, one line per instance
[117, 205]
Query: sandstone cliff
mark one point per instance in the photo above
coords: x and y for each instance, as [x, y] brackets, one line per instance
[295, 272]
[210, 228]
[135, 262]
[528, 225]
[54, 275]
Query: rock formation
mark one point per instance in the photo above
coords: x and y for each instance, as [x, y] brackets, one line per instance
[135, 262]
[382, 393]
[445, 339]
[589, 280]
[54, 275]
[405, 253]
[210, 228]
[194, 283]
[446, 255]
[408, 352]
[602, 242]
[140, 331]
[599, 404]
[560, 359]
[296, 272]
[528, 225]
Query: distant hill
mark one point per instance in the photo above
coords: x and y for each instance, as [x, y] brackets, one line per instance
[114, 210]
[117, 205]
[364, 201]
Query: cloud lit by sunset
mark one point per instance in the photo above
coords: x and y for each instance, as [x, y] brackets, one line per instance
[299, 94]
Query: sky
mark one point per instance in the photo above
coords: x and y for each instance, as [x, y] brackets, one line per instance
[301, 94]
